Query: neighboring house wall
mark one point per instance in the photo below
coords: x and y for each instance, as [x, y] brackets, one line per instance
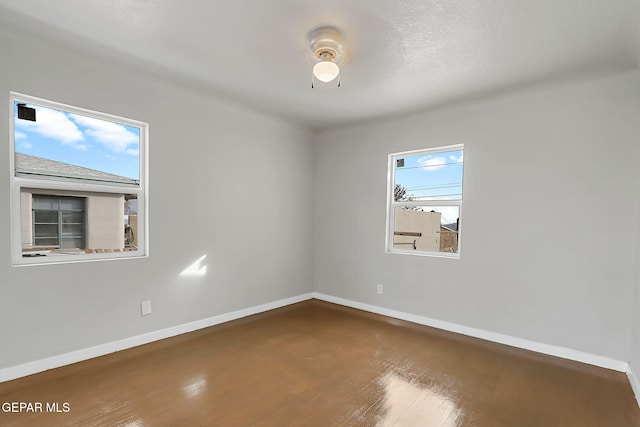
[105, 221]
[425, 223]
[105, 218]
[448, 240]
[26, 225]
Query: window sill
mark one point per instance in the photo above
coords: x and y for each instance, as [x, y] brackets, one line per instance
[72, 259]
[425, 254]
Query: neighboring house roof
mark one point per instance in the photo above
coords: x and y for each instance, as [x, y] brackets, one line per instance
[32, 166]
[451, 227]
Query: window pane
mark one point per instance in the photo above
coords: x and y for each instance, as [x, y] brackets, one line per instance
[436, 176]
[71, 204]
[75, 243]
[72, 217]
[73, 147]
[46, 230]
[46, 242]
[44, 202]
[426, 228]
[46, 217]
[72, 230]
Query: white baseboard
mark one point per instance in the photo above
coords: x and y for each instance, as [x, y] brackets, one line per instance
[29, 368]
[552, 350]
[635, 385]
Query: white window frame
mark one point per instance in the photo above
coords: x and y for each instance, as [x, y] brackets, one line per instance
[64, 187]
[391, 204]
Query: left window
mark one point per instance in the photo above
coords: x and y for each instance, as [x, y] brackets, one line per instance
[78, 184]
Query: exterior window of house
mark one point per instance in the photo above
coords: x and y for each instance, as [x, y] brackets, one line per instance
[78, 184]
[425, 202]
[58, 222]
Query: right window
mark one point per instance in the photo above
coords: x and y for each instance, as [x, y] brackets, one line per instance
[425, 201]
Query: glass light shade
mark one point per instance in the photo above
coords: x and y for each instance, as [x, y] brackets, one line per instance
[325, 71]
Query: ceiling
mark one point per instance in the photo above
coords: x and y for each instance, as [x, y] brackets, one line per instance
[402, 56]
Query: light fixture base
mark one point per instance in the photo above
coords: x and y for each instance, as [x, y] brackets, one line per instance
[326, 44]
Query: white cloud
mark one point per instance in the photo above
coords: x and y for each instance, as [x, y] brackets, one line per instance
[114, 136]
[133, 151]
[20, 135]
[53, 124]
[456, 159]
[432, 163]
[81, 147]
[25, 145]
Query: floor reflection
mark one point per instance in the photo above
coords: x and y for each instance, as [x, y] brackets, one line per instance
[408, 403]
[195, 386]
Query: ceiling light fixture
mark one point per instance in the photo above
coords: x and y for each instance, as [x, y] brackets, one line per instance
[326, 45]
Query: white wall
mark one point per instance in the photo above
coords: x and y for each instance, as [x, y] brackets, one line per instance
[634, 361]
[549, 223]
[217, 172]
[635, 349]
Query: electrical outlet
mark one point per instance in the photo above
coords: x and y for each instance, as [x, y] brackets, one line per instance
[145, 307]
[380, 289]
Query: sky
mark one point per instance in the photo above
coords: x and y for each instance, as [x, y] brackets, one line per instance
[79, 140]
[433, 176]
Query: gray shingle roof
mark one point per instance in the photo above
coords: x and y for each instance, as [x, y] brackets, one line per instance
[451, 227]
[33, 167]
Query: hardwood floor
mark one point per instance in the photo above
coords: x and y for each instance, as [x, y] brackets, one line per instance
[318, 364]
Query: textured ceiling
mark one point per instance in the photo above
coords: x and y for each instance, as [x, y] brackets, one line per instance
[402, 55]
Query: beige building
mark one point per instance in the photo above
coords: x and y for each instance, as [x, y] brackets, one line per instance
[423, 231]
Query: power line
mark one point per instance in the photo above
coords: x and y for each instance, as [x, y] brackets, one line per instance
[433, 188]
[429, 166]
[439, 196]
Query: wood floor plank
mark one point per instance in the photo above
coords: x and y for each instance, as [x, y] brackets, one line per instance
[319, 364]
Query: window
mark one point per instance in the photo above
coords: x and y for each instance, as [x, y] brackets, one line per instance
[58, 222]
[425, 201]
[78, 181]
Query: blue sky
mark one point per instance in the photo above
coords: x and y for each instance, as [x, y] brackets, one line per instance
[80, 140]
[433, 176]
